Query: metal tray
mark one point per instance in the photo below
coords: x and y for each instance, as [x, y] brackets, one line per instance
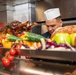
[55, 55]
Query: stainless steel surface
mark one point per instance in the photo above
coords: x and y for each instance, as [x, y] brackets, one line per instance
[23, 66]
[44, 68]
[71, 22]
[13, 69]
[55, 55]
[31, 67]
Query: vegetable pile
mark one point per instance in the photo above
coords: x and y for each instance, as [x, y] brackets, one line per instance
[23, 40]
[34, 42]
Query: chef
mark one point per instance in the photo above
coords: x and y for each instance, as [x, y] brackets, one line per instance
[53, 21]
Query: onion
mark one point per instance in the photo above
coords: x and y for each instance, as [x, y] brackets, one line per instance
[64, 45]
[24, 45]
[72, 48]
[49, 44]
[43, 42]
[52, 43]
[1, 45]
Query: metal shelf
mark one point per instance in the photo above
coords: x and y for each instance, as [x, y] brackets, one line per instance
[55, 55]
[50, 55]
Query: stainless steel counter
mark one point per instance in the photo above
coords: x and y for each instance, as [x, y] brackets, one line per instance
[52, 54]
[41, 63]
[31, 67]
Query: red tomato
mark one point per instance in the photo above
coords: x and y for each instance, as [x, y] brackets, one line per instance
[12, 52]
[0, 38]
[5, 62]
[1, 51]
[19, 35]
[3, 59]
[27, 57]
[18, 49]
[18, 52]
[22, 33]
[11, 58]
[4, 37]
[18, 46]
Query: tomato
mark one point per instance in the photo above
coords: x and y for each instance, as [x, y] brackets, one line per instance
[3, 59]
[18, 49]
[12, 52]
[18, 46]
[19, 35]
[22, 33]
[4, 37]
[27, 57]
[18, 52]
[1, 52]
[6, 62]
[11, 58]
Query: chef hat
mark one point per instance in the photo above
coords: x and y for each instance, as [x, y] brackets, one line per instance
[52, 13]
